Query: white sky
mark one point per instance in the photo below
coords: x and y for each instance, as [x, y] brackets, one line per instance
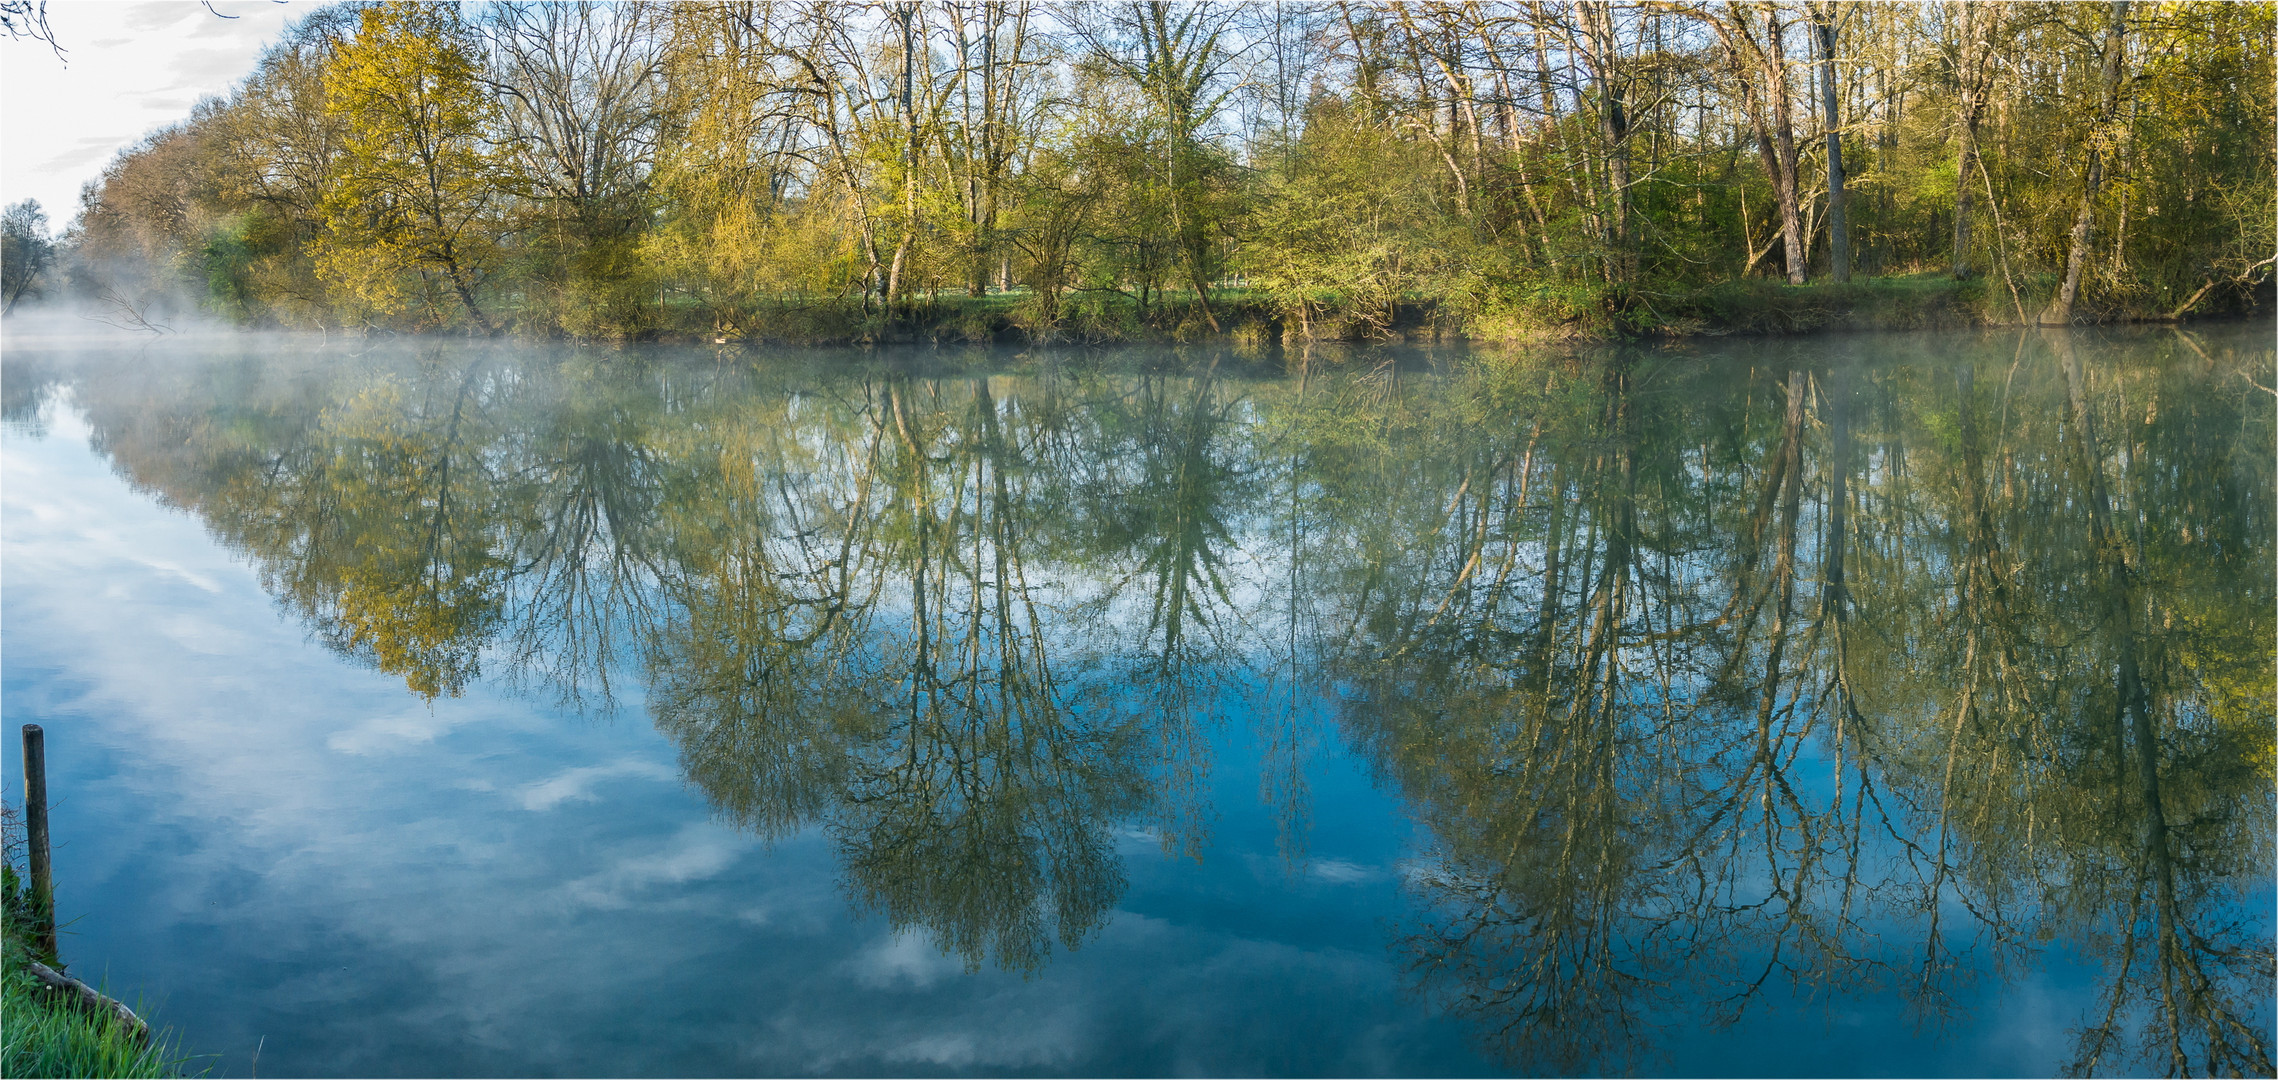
[127, 69]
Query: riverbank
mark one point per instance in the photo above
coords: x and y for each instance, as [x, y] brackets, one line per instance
[44, 1031]
[1756, 306]
[1252, 319]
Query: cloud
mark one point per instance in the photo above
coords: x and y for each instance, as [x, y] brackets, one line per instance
[207, 71]
[92, 149]
[696, 853]
[130, 69]
[202, 636]
[952, 1050]
[388, 732]
[576, 785]
[159, 15]
[907, 958]
[1341, 872]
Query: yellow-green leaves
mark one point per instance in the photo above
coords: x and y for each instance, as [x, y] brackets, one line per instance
[416, 176]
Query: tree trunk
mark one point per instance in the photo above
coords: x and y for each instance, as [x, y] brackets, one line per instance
[1838, 223]
[906, 14]
[1783, 131]
[1964, 158]
[2059, 312]
[459, 285]
[1775, 135]
[1613, 129]
[1970, 57]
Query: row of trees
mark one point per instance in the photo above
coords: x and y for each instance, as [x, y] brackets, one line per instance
[1710, 679]
[1332, 168]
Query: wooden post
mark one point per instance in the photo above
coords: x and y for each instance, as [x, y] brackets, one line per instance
[35, 836]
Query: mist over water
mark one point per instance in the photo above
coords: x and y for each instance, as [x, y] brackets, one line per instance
[1814, 706]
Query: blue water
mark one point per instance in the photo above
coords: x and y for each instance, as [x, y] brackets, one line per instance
[300, 866]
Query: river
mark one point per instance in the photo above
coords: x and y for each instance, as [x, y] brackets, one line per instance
[1850, 705]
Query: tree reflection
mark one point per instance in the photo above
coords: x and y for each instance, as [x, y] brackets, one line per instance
[983, 811]
[1714, 681]
[1980, 744]
[587, 488]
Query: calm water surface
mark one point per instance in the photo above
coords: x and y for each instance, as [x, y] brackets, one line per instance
[1860, 705]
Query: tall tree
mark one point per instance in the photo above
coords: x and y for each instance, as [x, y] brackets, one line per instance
[1178, 58]
[2111, 56]
[417, 174]
[578, 112]
[1971, 29]
[1824, 16]
[1612, 82]
[1754, 36]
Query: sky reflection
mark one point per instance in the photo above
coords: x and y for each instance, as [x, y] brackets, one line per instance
[286, 839]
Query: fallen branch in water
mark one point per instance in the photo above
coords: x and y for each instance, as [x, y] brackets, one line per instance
[89, 998]
[2177, 314]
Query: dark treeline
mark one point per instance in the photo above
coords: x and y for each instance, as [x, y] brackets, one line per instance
[1715, 679]
[982, 168]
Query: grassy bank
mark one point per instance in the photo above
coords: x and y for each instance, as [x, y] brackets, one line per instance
[1015, 316]
[41, 1033]
[1925, 301]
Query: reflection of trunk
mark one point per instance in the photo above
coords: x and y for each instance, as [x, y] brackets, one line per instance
[1553, 557]
[980, 815]
[1983, 580]
[1529, 912]
[1783, 570]
[2112, 568]
[1746, 605]
[1180, 491]
[1609, 601]
[1834, 594]
[2183, 990]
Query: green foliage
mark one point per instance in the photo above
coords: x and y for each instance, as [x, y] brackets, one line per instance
[25, 251]
[1351, 227]
[415, 174]
[1121, 171]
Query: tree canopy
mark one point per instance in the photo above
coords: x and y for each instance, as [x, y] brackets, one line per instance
[844, 169]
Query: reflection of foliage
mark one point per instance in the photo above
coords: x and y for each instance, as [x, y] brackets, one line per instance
[420, 587]
[969, 790]
[590, 480]
[987, 807]
[2039, 745]
[429, 632]
[1711, 683]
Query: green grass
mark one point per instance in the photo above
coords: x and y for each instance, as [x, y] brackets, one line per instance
[40, 1036]
[43, 1035]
